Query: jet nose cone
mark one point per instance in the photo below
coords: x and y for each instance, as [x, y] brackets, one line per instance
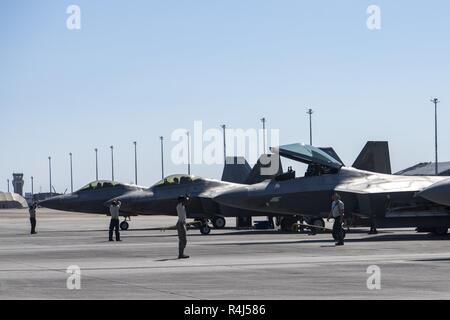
[51, 203]
[233, 198]
[438, 193]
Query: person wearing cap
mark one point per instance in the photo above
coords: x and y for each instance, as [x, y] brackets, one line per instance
[337, 212]
[114, 209]
[181, 226]
[32, 211]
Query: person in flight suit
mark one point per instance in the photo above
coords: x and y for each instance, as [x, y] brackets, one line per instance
[114, 209]
[181, 226]
[337, 212]
[32, 211]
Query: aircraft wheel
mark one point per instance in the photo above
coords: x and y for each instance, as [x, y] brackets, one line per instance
[318, 223]
[218, 222]
[287, 224]
[205, 229]
[124, 225]
[440, 231]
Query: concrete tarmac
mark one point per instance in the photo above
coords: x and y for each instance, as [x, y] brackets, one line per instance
[227, 264]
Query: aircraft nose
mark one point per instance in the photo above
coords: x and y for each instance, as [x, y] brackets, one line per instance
[51, 203]
[233, 198]
[438, 193]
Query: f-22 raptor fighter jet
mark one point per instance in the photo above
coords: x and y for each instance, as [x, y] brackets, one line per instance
[382, 199]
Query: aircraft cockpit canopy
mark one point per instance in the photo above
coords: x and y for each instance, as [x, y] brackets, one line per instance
[176, 179]
[101, 184]
[308, 154]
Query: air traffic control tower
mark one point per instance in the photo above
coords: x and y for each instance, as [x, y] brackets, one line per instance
[18, 183]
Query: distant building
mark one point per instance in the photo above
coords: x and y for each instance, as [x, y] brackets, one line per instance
[427, 169]
[10, 200]
[18, 183]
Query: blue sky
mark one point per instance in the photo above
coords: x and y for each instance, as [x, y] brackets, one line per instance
[140, 69]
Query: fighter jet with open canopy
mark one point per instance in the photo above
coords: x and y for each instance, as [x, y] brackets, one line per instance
[381, 199]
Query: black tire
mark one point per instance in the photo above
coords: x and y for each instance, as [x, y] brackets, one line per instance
[440, 231]
[124, 225]
[218, 222]
[319, 223]
[286, 224]
[205, 229]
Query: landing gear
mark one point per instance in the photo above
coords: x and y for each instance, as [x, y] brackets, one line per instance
[218, 222]
[124, 224]
[318, 223]
[205, 229]
[287, 223]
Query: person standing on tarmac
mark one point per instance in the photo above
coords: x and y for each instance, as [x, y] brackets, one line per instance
[181, 226]
[337, 212]
[114, 209]
[32, 211]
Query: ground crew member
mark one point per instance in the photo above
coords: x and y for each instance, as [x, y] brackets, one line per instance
[181, 226]
[32, 210]
[114, 209]
[337, 211]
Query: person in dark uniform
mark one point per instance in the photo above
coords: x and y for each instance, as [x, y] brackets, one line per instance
[181, 226]
[32, 211]
[337, 212]
[114, 209]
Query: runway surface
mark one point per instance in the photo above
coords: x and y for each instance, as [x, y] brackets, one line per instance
[227, 264]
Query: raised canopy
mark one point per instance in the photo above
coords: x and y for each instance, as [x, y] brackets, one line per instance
[307, 154]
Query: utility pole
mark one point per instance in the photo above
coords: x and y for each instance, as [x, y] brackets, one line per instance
[112, 163]
[32, 185]
[189, 152]
[435, 101]
[7, 181]
[71, 173]
[263, 120]
[224, 128]
[135, 163]
[50, 174]
[96, 164]
[161, 138]
[310, 112]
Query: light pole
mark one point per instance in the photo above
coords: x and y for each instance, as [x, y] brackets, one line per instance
[310, 112]
[263, 120]
[50, 174]
[135, 163]
[112, 163]
[32, 185]
[7, 181]
[161, 138]
[96, 164]
[435, 101]
[189, 152]
[71, 173]
[224, 128]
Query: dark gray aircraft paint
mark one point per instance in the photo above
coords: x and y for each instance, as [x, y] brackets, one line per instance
[161, 198]
[387, 199]
[91, 198]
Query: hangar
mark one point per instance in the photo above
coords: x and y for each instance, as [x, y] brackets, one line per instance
[10, 200]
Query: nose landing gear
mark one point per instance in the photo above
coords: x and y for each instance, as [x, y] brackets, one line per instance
[124, 224]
